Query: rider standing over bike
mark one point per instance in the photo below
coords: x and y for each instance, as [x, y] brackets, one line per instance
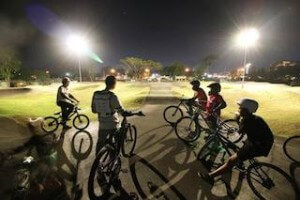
[259, 141]
[107, 105]
[199, 97]
[214, 104]
[66, 101]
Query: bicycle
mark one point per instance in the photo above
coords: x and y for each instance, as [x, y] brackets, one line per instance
[172, 113]
[264, 179]
[51, 124]
[107, 164]
[188, 128]
[290, 147]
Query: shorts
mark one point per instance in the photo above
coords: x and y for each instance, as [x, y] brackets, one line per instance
[249, 151]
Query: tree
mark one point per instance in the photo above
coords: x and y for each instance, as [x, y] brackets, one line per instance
[208, 61]
[136, 66]
[9, 64]
[92, 71]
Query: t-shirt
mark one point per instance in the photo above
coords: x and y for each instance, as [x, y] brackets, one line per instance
[61, 93]
[109, 119]
[201, 97]
[258, 132]
[214, 101]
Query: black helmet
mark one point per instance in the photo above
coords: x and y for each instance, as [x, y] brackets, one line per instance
[195, 83]
[215, 86]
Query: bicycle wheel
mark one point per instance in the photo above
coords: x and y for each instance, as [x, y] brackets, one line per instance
[50, 124]
[81, 122]
[187, 129]
[290, 148]
[230, 128]
[213, 154]
[172, 114]
[129, 141]
[268, 181]
[102, 172]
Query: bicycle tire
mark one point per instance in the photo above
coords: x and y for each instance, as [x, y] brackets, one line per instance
[132, 138]
[50, 121]
[213, 150]
[287, 180]
[77, 118]
[285, 148]
[236, 138]
[169, 110]
[183, 125]
[107, 154]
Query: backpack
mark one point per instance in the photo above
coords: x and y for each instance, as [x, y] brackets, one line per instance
[102, 103]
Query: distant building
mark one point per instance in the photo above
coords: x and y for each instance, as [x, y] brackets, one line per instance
[279, 65]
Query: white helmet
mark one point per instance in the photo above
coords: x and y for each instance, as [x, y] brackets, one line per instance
[250, 104]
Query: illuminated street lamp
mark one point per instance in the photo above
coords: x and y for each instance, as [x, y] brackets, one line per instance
[78, 45]
[245, 39]
[112, 71]
[187, 69]
[147, 70]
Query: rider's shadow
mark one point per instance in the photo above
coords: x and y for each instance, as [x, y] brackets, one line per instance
[293, 170]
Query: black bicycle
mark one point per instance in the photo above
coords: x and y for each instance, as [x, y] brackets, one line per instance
[107, 164]
[291, 148]
[265, 180]
[189, 128]
[52, 123]
[173, 113]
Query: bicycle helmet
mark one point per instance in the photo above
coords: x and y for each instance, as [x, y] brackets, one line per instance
[249, 104]
[215, 86]
[195, 83]
[65, 79]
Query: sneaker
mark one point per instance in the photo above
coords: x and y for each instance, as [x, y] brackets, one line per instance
[67, 127]
[205, 176]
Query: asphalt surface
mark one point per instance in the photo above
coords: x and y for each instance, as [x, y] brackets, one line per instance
[163, 167]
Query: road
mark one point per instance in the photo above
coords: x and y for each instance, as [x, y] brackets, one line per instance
[164, 167]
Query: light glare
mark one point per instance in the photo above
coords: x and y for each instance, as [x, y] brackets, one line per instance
[77, 44]
[247, 37]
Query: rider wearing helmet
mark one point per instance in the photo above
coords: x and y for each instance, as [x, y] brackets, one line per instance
[259, 138]
[215, 103]
[199, 97]
[65, 100]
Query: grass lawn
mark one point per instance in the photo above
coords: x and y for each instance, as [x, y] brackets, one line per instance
[279, 104]
[41, 101]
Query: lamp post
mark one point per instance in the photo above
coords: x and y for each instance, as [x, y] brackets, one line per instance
[245, 39]
[78, 45]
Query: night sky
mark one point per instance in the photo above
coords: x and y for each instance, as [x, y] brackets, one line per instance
[163, 30]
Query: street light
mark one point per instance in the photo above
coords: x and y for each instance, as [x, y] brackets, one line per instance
[78, 45]
[187, 69]
[112, 71]
[245, 39]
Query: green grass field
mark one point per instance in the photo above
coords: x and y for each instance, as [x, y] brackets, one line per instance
[41, 101]
[279, 104]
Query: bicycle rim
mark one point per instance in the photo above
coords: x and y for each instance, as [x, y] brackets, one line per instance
[230, 128]
[129, 142]
[268, 181]
[291, 148]
[50, 124]
[187, 129]
[100, 174]
[172, 114]
[81, 122]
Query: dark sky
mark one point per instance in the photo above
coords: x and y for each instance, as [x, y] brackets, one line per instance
[163, 30]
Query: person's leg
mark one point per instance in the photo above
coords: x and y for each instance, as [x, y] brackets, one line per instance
[70, 108]
[102, 135]
[64, 109]
[225, 167]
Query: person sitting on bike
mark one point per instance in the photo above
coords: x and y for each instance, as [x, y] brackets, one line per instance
[66, 101]
[259, 140]
[214, 104]
[199, 98]
[107, 105]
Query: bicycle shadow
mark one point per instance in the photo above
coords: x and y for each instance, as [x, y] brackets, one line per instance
[293, 170]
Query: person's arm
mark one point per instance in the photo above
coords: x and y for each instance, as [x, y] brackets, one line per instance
[72, 97]
[63, 93]
[93, 104]
[116, 105]
[221, 105]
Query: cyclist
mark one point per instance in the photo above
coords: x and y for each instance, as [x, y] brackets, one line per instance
[66, 101]
[199, 97]
[214, 104]
[259, 139]
[107, 105]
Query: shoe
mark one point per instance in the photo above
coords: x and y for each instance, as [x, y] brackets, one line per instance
[205, 176]
[67, 127]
